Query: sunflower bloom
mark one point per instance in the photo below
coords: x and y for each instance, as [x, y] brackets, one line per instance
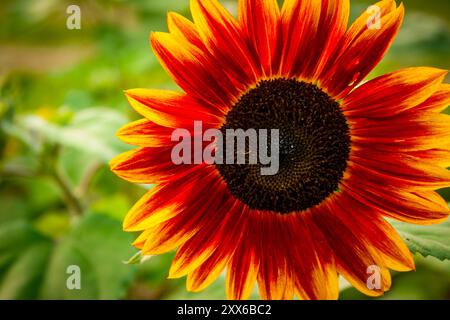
[351, 153]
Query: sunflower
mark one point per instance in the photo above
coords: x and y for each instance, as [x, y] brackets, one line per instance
[352, 153]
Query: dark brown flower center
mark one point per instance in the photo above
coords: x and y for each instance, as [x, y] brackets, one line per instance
[314, 146]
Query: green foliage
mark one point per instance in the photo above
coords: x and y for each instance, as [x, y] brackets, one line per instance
[32, 265]
[431, 280]
[427, 240]
[24, 276]
[23, 255]
[97, 245]
[91, 131]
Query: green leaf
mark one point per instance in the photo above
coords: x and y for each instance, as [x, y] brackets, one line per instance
[54, 224]
[15, 234]
[24, 276]
[91, 131]
[33, 266]
[23, 257]
[427, 240]
[135, 259]
[97, 245]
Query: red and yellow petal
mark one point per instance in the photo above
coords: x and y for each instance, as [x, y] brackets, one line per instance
[182, 27]
[227, 222]
[275, 275]
[309, 41]
[315, 273]
[352, 264]
[196, 73]
[381, 238]
[171, 109]
[401, 134]
[139, 242]
[437, 103]
[417, 207]
[147, 212]
[195, 214]
[440, 157]
[260, 22]
[360, 52]
[393, 93]
[221, 35]
[145, 133]
[242, 271]
[164, 201]
[360, 25]
[400, 170]
[334, 16]
[212, 267]
[298, 34]
[148, 165]
[210, 270]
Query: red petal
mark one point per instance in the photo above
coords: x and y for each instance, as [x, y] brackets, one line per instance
[440, 157]
[437, 103]
[194, 215]
[399, 170]
[353, 257]
[315, 273]
[209, 270]
[393, 93]
[333, 23]
[171, 109]
[227, 222]
[164, 201]
[148, 165]
[275, 276]
[298, 34]
[425, 207]
[405, 132]
[360, 52]
[260, 22]
[193, 71]
[145, 133]
[185, 29]
[221, 35]
[243, 269]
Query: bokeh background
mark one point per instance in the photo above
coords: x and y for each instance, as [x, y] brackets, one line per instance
[61, 102]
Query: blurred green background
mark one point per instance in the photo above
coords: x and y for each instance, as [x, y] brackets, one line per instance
[61, 102]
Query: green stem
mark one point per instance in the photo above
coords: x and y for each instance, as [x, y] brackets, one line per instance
[87, 179]
[73, 202]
